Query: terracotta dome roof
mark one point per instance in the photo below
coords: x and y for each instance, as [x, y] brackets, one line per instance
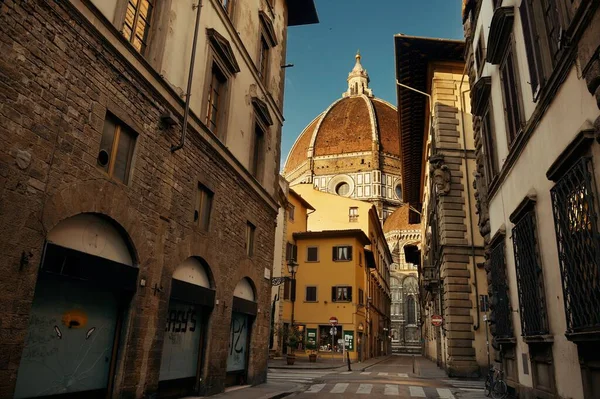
[351, 124]
[398, 220]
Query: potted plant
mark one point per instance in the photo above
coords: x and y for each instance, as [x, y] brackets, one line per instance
[293, 337]
[312, 350]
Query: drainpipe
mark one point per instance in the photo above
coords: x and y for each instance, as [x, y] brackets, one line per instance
[462, 116]
[189, 83]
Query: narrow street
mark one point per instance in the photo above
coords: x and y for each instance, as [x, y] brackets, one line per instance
[396, 376]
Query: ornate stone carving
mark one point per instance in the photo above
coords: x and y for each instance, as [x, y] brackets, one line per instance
[440, 174]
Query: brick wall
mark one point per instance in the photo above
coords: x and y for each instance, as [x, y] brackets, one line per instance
[57, 81]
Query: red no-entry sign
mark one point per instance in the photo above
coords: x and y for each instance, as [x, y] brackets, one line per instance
[436, 320]
[333, 321]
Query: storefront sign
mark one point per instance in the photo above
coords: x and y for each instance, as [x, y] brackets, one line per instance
[349, 340]
[238, 340]
[182, 342]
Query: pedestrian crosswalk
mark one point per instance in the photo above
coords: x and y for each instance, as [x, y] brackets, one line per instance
[381, 389]
[299, 376]
[401, 375]
[467, 385]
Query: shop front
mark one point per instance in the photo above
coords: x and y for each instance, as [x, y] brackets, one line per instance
[85, 282]
[190, 305]
[244, 312]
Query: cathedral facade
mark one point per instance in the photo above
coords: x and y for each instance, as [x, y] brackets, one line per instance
[352, 149]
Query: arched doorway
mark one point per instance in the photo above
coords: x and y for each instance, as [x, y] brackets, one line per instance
[191, 302]
[242, 317]
[85, 281]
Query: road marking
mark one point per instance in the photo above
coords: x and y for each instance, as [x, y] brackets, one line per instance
[383, 374]
[417, 392]
[339, 388]
[364, 389]
[315, 388]
[365, 373]
[403, 375]
[444, 393]
[390, 389]
[346, 372]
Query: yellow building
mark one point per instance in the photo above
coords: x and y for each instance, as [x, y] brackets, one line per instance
[292, 218]
[365, 316]
[330, 282]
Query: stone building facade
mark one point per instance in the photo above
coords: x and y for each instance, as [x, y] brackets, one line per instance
[437, 168]
[535, 77]
[113, 228]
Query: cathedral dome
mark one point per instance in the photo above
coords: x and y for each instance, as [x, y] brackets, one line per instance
[356, 123]
[398, 220]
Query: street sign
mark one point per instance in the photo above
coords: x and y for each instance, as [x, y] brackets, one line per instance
[333, 331]
[436, 320]
[333, 321]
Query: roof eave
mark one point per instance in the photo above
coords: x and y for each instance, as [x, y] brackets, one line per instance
[413, 56]
[302, 12]
[304, 202]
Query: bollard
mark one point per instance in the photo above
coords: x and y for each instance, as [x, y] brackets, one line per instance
[348, 359]
[413, 363]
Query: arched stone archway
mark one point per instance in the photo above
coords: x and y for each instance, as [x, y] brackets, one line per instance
[86, 278]
[244, 311]
[191, 302]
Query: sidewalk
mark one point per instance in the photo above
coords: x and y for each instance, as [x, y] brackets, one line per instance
[323, 363]
[425, 368]
[268, 390]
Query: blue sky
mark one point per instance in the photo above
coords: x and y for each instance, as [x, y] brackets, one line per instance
[323, 54]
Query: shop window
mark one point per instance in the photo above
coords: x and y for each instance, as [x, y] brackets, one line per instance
[137, 23]
[341, 294]
[116, 149]
[250, 230]
[312, 254]
[311, 294]
[204, 199]
[342, 253]
[329, 337]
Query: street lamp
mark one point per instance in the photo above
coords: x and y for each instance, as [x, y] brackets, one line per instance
[292, 269]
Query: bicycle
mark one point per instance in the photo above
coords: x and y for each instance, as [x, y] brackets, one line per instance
[495, 385]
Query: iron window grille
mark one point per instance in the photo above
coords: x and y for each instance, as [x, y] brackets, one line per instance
[576, 224]
[530, 282]
[501, 305]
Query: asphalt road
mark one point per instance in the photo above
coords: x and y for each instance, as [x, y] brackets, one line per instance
[393, 377]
